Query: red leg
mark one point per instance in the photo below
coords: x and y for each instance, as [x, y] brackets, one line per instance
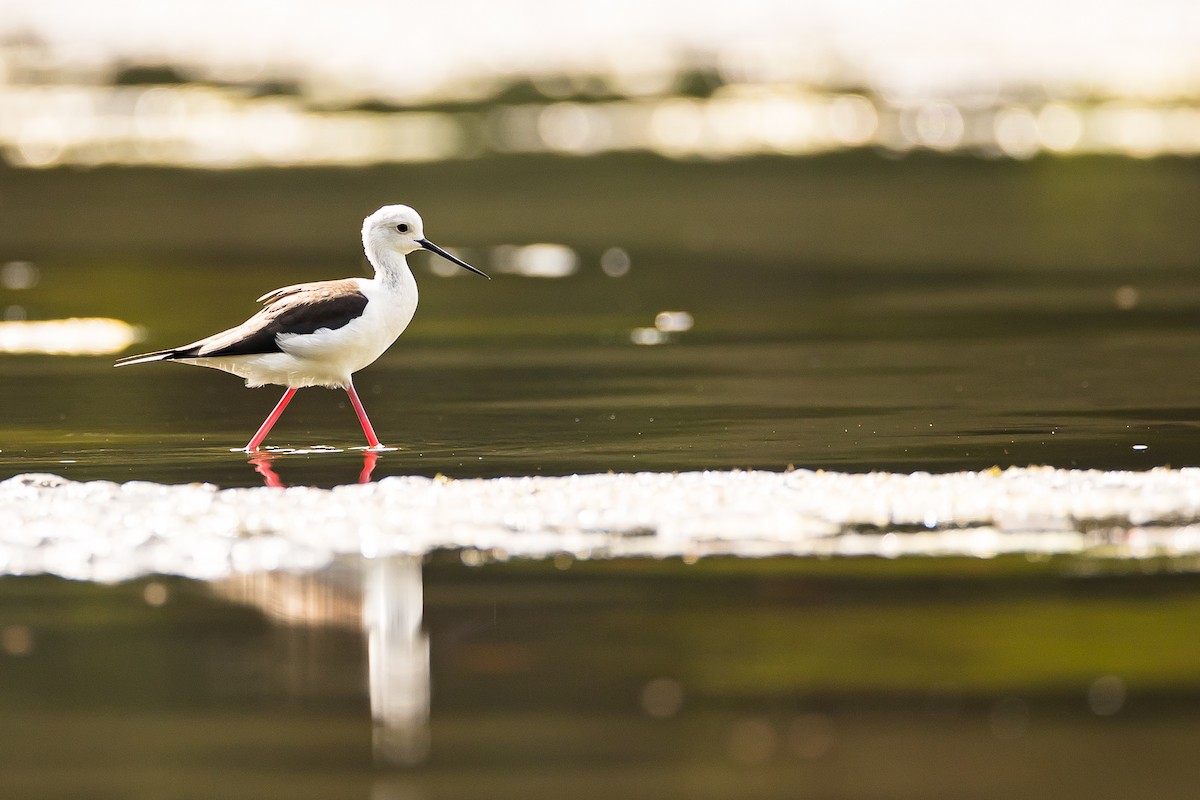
[271, 419]
[372, 439]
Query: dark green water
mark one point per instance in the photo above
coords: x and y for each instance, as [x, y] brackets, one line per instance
[935, 679]
[524, 376]
[850, 314]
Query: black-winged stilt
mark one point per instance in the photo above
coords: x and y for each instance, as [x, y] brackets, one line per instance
[320, 334]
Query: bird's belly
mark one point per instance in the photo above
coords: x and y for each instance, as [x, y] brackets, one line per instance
[282, 369]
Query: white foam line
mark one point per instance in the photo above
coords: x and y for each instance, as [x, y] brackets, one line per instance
[109, 531]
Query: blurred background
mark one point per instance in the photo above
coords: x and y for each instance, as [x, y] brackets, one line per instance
[851, 235]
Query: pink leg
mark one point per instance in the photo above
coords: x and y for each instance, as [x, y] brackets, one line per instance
[372, 439]
[271, 419]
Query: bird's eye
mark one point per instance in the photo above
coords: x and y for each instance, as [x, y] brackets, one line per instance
[402, 227]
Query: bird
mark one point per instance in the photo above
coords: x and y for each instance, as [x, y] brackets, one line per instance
[321, 333]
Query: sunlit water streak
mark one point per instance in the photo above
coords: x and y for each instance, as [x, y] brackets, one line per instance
[214, 128]
[67, 336]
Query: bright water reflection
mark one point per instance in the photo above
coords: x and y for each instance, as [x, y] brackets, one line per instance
[206, 127]
[384, 598]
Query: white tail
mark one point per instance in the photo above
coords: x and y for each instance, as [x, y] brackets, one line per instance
[161, 355]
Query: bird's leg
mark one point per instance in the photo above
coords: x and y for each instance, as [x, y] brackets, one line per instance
[271, 419]
[372, 439]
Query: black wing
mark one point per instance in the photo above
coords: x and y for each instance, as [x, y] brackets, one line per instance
[303, 308]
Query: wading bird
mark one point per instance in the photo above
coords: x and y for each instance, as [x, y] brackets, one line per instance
[320, 334]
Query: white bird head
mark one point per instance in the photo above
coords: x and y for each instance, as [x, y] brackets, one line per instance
[399, 229]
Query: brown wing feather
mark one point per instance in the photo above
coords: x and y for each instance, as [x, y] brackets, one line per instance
[276, 294]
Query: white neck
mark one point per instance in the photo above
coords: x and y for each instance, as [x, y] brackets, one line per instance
[391, 268]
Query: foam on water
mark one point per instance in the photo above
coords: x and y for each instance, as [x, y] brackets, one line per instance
[108, 531]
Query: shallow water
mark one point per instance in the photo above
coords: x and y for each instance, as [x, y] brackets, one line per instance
[931, 319]
[935, 678]
[524, 376]
[852, 313]
[851, 678]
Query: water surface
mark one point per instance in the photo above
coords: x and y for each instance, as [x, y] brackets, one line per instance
[850, 314]
[941, 678]
[809, 367]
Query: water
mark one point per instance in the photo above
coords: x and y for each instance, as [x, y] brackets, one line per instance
[523, 376]
[849, 315]
[652, 679]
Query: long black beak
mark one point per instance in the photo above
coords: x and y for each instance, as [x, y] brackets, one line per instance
[433, 248]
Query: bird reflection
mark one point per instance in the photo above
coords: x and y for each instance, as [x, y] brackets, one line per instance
[263, 465]
[382, 597]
